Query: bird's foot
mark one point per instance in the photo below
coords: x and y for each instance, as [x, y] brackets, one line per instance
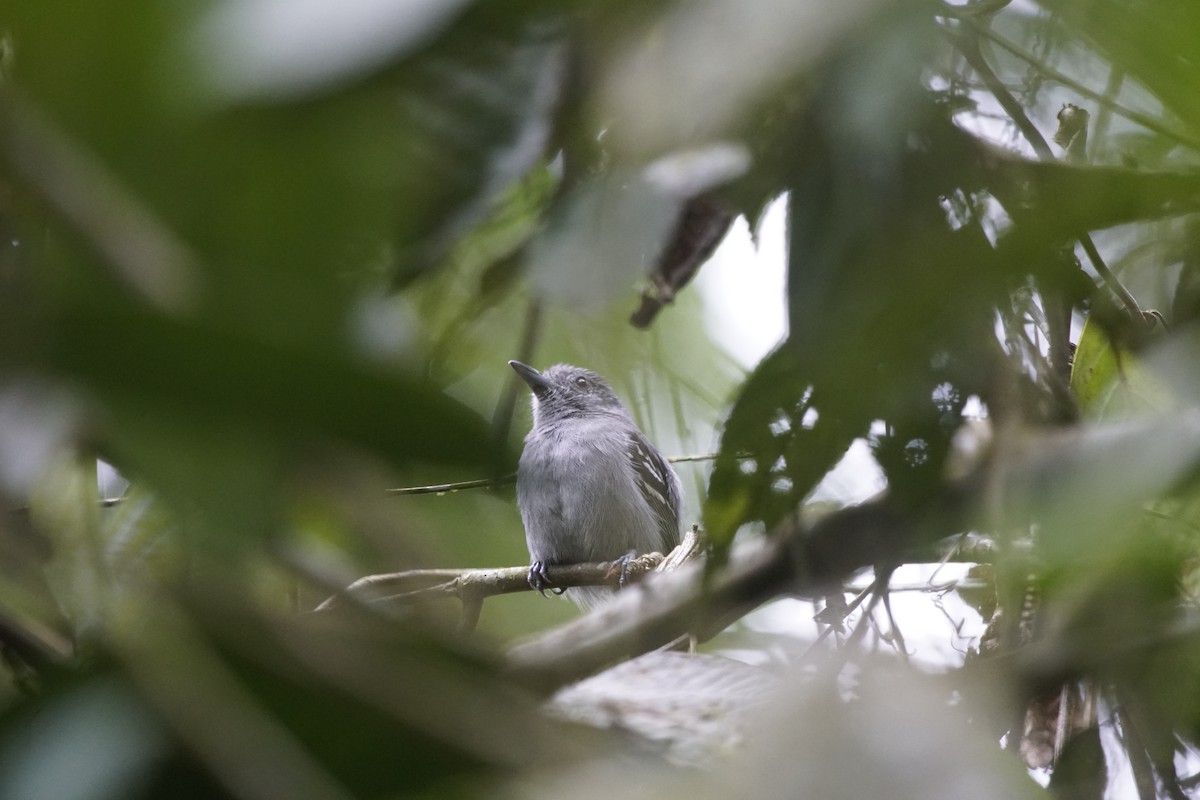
[539, 580]
[621, 565]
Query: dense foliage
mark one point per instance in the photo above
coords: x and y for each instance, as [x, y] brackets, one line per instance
[268, 259]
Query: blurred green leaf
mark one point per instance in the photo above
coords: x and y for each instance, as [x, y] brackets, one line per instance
[285, 49]
[778, 441]
[94, 741]
[1107, 380]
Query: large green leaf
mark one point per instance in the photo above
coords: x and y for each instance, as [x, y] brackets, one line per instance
[1108, 381]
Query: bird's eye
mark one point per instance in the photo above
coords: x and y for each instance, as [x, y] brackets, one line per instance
[581, 382]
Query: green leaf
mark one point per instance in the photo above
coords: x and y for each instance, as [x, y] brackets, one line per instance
[1107, 380]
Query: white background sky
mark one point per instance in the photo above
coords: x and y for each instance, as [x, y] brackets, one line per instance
[743, 288]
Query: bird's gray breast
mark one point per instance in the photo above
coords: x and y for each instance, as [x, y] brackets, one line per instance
[583, 507]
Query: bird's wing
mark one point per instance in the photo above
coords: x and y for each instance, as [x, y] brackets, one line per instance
[660, 487]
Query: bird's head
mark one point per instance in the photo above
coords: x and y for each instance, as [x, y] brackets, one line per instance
[563, 391]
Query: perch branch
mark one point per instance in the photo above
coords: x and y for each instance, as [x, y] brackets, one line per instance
[423, 585]
[473, 586]
[798, 560]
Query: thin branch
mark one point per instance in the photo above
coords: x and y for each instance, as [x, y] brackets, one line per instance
[479, 483]
[1114, 284]
[472, 586]
[703, 457]
[423, 585]
[831, 628]
[448, 488]
[494, 483]
[927, 587]
[969, 47]
[896, 635]
[866, 621]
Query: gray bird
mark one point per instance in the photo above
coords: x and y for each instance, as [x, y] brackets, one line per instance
[590, 485]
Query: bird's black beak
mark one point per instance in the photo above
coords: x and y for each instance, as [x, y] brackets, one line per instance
[537, 382]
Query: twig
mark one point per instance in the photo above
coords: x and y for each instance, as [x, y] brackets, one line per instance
[1110, 279]
[928, 587]
[969, 47]
[693, 546]
[446, 488]
[479, 483]
[493, 483]
[703, 457]
[896, 635]
[829, 629]
[867, 618]
[473, 586]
